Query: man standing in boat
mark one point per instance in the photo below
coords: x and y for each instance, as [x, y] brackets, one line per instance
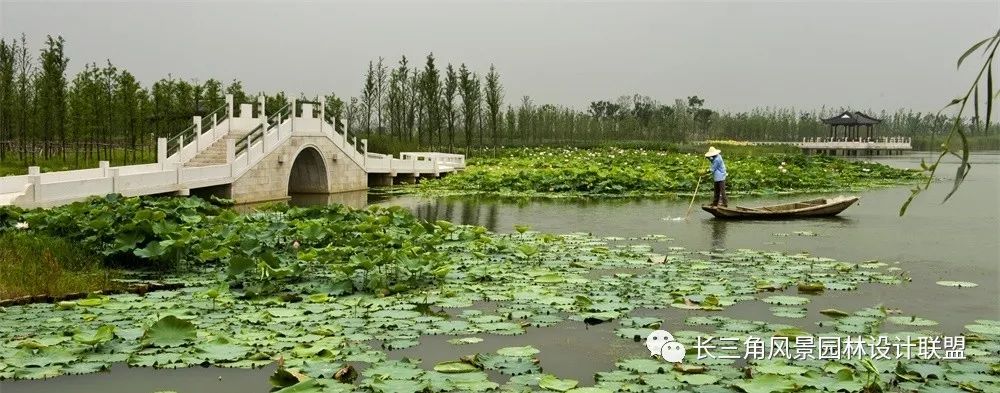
[718, 170]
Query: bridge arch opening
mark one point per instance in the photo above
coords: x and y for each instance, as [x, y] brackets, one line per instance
[308, 175]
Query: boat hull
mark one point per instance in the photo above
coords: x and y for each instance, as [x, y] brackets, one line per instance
[805, 209]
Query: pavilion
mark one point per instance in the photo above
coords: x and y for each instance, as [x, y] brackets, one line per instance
[852, 122]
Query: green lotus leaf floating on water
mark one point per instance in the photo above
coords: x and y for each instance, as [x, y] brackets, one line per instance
[525, 351]
[958, 284]
[786, 300]
[984, 326]
[551, 382]
[102, 335]
[316, 324]
[170, 331]
[767, 383]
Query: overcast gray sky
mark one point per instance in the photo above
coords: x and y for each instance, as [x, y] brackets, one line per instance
[736, 54]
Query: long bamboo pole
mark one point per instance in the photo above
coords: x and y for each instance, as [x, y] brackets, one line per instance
[693, 196]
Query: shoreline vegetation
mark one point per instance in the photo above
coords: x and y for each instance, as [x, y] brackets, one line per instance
[609, 172]
[34, 264]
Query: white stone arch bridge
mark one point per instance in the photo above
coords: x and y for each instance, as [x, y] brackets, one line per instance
[249, 157]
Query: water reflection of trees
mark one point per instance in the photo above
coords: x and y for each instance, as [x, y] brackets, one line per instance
[469, 212]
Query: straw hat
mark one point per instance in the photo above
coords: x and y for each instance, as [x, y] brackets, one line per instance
[712, 152]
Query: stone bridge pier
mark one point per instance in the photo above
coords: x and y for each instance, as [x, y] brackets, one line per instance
[304, 165]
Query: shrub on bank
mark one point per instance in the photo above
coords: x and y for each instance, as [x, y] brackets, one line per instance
[32, 264]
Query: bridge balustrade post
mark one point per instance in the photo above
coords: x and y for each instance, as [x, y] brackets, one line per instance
[291, 118]
[277, 127]
[180, 148]
[197, 133]
[113, 174]
[263, 108]
[230, 101]
[35, 176]
[161, 152]
[215, 128]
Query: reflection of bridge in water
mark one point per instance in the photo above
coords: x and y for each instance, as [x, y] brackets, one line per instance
[295, 150]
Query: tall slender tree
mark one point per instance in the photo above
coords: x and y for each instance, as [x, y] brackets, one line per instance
[414, 106]
[334, 108]
[351, 116]
[397, 98]
[448, 104]
[212, 95]
[7, 98]
[109, 82]
[235, 89]
[494, 98]
[430, 96]
[128, 105]
[25, 90]
[368, 98]
[51, 82]
[380, 93]
[469, 92]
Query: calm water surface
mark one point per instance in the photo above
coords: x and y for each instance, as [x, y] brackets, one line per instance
[957, 241]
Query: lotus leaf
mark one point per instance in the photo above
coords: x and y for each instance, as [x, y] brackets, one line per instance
[455, 366]
[525, 351]
[551, 382]
[698, 379]
[170, 331]
[958, 284]
[767, 383]
[786, 300]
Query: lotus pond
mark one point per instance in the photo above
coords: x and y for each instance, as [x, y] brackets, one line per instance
[559, 302]
[614, 172]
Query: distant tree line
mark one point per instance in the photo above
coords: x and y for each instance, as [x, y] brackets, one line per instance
[104, 113]
[418, 107]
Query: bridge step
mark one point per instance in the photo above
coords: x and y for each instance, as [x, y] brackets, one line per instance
[216, 153]
[213, 155]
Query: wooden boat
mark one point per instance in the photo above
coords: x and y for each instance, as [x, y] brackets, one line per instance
[825, 207]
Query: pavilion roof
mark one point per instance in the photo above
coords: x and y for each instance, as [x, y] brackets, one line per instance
[848, 118]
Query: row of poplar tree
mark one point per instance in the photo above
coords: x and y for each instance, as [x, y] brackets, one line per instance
[104, 113]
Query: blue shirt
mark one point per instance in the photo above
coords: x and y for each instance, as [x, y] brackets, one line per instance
[718, 168]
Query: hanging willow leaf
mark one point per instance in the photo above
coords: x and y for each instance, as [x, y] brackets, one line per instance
[973, 49]
[975, 107]
[989, 95]
[913, 194]
[963, 167]
[956, 101]
[957, 128]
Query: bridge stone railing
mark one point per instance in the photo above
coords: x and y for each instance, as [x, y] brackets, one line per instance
[203, 132]
[169, 175]
[413, 162]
